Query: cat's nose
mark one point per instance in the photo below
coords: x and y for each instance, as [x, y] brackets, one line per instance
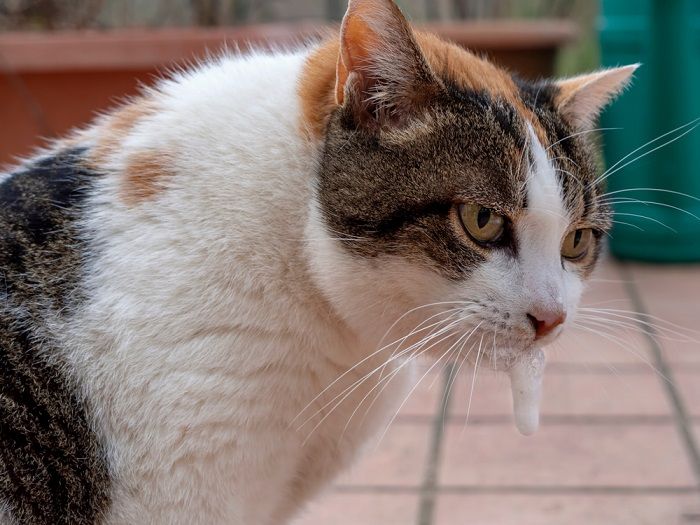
[544, 320]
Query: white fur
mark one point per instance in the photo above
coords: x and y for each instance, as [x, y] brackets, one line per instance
[221, 309]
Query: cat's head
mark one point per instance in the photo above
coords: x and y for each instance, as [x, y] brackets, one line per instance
[450, 189]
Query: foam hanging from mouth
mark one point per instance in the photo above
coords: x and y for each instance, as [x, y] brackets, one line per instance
[526, 386]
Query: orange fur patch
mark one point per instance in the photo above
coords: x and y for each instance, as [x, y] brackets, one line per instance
[143, 177]
[317, 89]
[116, 127]
[145, 170]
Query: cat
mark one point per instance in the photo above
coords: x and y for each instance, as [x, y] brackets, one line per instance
[213, 296]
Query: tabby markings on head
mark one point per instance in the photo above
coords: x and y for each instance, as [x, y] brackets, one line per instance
[410, 125]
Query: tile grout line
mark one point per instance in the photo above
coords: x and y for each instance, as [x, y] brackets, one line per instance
[426, 506]
[682, 418]
[551, 419]
[604, 490]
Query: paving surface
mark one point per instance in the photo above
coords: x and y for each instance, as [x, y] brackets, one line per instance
[619, 439]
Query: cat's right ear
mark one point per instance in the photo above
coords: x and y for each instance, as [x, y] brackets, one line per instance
[381, 74]
[581, 99]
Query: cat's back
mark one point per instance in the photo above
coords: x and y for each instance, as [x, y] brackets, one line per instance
[102, 233]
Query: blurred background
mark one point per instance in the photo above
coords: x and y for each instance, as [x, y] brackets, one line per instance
[62, 60]
[622, 392]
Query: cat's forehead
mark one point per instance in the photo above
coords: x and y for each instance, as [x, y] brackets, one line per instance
[472, 73]
[508, 118]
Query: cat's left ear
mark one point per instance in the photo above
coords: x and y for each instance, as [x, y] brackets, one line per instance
[581, 99]
[382, 74]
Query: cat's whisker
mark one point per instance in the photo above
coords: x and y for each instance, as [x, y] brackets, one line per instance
[652, 141]
[456, 312]
[461, 364]
[660, 329]
[347, 235]
[353, 388]
[622, 344]
[652, 203]
[635, 316]
[635, 226]
[660, 190]
[455, 373]
[347, 391]
[631, 327]
[437, 361]
[639, 216]
[412, 310]
[617, 167]
[341, 239]
[350, 389]
[386, 382]
[493, 356]
[607, 301]
[379, 350]
[618, 341]
[579, 133]
[471, 389]
[564, 157]
[567, 172]
[450, 351]
[418, 328]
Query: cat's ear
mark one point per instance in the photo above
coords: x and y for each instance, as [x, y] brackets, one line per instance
[581, 99]
[381, 72]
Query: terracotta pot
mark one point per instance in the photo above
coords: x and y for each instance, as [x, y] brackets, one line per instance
[51, 82]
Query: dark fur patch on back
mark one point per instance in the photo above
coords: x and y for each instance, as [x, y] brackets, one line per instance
[52, 469]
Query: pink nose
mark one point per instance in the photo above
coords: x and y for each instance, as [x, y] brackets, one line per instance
[545, 321]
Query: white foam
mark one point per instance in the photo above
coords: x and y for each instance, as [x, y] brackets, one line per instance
[526, 386]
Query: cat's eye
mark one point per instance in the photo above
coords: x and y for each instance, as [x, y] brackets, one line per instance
[482, 224]
[577, 243]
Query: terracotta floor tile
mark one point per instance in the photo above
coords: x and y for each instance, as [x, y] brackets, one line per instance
[567, 394]
[672, 293]
[399, 460]
[688, 384]
[614, 509]
[560, 455]
[361, 509]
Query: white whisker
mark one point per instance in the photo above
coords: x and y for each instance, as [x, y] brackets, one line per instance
[613, 169]
[606, 173]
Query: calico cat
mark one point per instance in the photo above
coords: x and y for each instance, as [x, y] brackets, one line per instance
[214, 295]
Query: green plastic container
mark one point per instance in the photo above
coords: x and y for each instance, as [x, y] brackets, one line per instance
[664, 35]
